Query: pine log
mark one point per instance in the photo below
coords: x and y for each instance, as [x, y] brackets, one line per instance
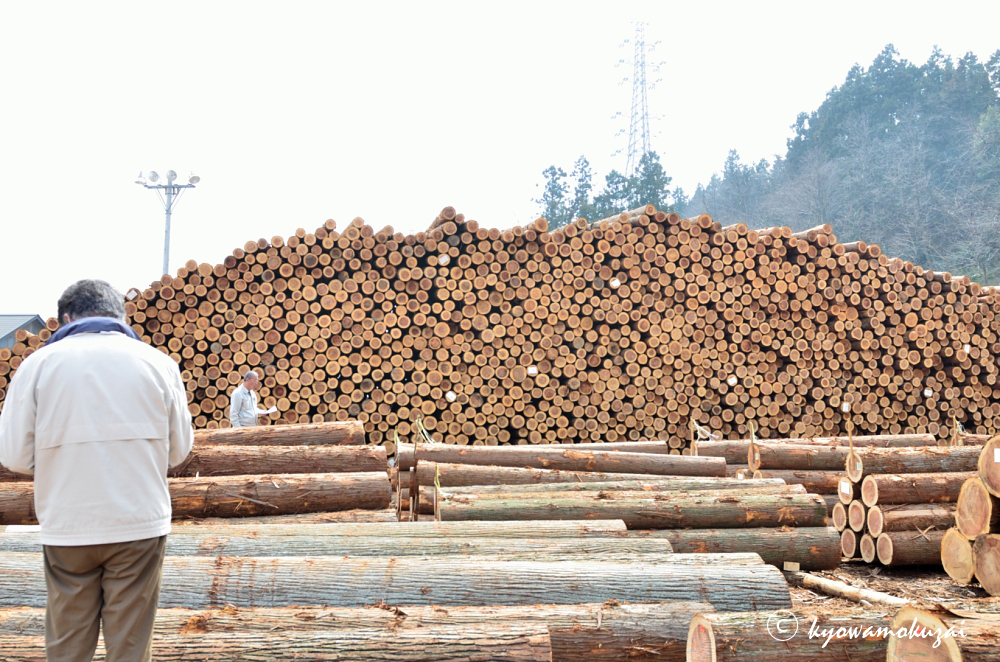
[929, 459]
[662, 511]
[355, 515]
[548, 457]
[910, 517]
[962, 637]
[528, 642]
[906, 488]
[423, 529]
[988, 466]
[868, 548]
[336, 432]
[849, 543]
[856, 516]
[585, 632]
[976, 511]
[813, 548]
[986, 553]
[248, 460]
[815, 482]
[765, 456]
[957, 556]
[198, 582]
[795, 637]
[909, 548]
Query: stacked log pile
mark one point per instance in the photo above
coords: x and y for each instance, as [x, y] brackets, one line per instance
[628, 328]
[464, 590]
[253, 472]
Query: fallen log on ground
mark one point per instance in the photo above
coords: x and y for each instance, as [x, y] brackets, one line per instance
[839, 589]
[916, 460]
[246, 460]
[909, 548]
[587, 632]
[551, 456]
[813, 548]
[661, 511]
[200, 582]
[335, 432]
[755, 635]
[913, 488]
[496, 641]
[955, 637]
[910, 517]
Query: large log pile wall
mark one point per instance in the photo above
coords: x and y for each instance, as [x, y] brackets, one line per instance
[623, 329]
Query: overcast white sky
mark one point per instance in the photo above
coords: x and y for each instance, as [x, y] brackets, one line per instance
[296, 112]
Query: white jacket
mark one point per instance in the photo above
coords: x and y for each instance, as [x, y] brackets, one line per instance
[243, 410]
[98, 418]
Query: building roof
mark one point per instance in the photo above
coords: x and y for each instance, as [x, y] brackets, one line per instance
[11, 323]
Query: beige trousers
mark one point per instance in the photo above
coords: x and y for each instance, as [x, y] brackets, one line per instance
[118, 584]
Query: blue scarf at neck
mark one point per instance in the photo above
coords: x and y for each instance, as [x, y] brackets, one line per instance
[92, 325]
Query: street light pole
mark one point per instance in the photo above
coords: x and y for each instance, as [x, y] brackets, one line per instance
[169, 194]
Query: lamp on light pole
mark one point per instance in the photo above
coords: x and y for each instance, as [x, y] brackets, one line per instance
[169, 194]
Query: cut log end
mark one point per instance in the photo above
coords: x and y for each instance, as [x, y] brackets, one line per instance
[701, 641]
[867, 546]
[875, 521]
[977, 510]
[957, 557]
[869, 491]
[856, 516]
[989, 466]
[986, 552]
[920, 648]
[848, 544]
[839, 516]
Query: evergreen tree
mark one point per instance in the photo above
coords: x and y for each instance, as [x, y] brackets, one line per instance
[582, 204]
[555, 206]
[650, 185]
[615, 197]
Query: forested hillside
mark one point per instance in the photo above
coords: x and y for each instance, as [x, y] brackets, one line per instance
[901, 155]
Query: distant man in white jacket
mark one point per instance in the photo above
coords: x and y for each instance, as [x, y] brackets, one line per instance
[243, 410]
[98, 416]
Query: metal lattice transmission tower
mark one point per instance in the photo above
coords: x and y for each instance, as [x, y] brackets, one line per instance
[639, 136]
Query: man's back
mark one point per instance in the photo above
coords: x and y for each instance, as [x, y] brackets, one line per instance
[109, 414]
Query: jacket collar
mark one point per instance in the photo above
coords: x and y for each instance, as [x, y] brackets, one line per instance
[92, 325]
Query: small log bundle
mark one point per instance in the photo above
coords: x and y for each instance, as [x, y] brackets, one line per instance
[909, 548]
[245, 460]
[579, 633]
[202, 582]
[756, 635]
[627, 328]
[659, 511]
[239, 496]
[913, 488]
[813, 548]
[923, 635]
[517, 642]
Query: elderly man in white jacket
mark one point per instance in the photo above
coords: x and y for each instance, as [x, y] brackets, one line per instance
[98, 416]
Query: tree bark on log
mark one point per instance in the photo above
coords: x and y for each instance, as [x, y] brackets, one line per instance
[466, 475]
[736, 450]
[634, 489]
[986, 552]
[813, 548]
[354, 516]
[198, 582]
[957, 556]
[519, 642]
[976, 511]
[548, 457]
[740, 636]
[976, 643]
[663, 511]
[247, 460]
[336, 432]
[908, 488]
[910, 517]
[586, 632]
[929, 459]
[909, 548]
[988, 466]
[426, 529]
[765, 456]
[815, 482]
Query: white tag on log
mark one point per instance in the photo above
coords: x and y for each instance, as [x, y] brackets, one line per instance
[996, 455]
[23, 528]
[732, 380]
[791, 566]
[845, 487]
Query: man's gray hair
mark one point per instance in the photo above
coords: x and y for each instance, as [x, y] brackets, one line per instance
[90, 298]
[249, 374]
